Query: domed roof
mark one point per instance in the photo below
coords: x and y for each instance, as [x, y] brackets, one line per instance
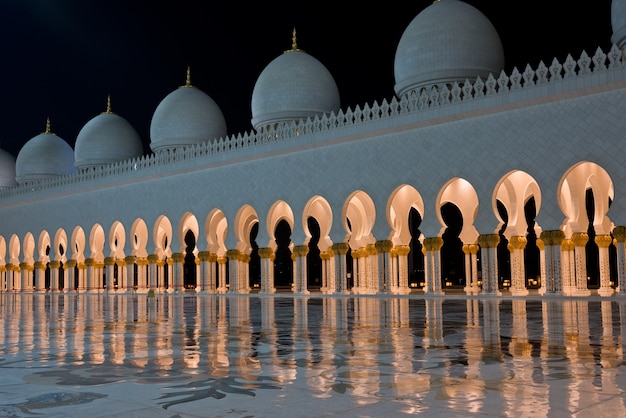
[186, 116]
[293, 86]
[618, 22]
[7, 169]
[449, 41]
[44, 156]
[106, 139]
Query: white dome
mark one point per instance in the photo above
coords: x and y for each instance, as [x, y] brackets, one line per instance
[449, 41]
[186, 116]
[618, 22]
[44, 156]
[293, 86]
[7, 170]
[106, 139]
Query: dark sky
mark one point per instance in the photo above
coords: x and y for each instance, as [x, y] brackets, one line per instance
[62, 58]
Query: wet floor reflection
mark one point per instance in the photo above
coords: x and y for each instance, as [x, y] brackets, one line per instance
[462, 354]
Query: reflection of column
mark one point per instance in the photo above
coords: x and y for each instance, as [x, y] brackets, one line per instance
[604, 241]
[518, 273]
[340, 250]
[402, 345]
[362, 363]
[619, 233]
[300, 269]
[474, 347]
[580, 239]
[432, 264]
[489, 262]
[579, 353]
[242, 352]
[491, 330]
[267, 257]
[611, 360]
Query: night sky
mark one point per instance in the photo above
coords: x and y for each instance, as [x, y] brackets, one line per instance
[62, 58]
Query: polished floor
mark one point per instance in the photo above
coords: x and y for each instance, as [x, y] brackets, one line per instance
[181, 355]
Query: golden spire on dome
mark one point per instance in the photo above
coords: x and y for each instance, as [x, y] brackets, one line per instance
[108, 105]
[47, 131]
[294, 42]
[188, 80]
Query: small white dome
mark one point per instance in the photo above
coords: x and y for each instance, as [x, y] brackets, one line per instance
[186, 116]
[449, 41]
[106, 139]
[43, 157]
[293, 86]
[7, 170]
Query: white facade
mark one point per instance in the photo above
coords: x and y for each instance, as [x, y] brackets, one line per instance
[549, 133]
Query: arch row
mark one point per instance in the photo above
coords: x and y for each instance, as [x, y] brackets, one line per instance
[141, 256]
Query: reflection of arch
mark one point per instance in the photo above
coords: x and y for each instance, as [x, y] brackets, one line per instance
[514, 190]
[280, 211]
[317, 207]
[460, 193]
[244, 221]
[139, 238]
[399, 205]
[571, 196]
[216, 228]
[358, 216]
[162, 235]
[117, 240]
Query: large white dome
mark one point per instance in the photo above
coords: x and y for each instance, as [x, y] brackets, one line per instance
[106, 139]
[43, 157]
[7, 170]
[293, 86]
[449, 41]
[186, 116]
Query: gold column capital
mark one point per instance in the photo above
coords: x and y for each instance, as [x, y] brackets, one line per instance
[69, 264]
[301, 250]
[489, 240]
[619, 232]
[341, 248]
[109, 261]
[580, 239]
[153, 258]
[266, 252]
[603, 241]
[518, 242]
[178, 257]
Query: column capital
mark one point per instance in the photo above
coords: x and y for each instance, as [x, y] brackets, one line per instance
[40, 265]
[518, 242]
[300, 250]
[580, 239]
[266, 252]
[178, 257]
[204, 255]
[233, 254]
[402, 250]
[109, 261]
[130, 259]
[69, 264]
[489, 240]
[619, 232]
[341, 248]
[90, 262]
[384, 246]
[54, 264]
[603, 241]
[153, 258]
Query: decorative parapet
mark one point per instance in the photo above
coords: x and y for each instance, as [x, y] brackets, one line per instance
[584, 72]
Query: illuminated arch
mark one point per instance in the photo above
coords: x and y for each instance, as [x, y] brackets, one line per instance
[117, 240]
[245, 219]
[96, 243]
[60, 245]
[401, 201]
[188, 222]
[28, 245]
[514, 190]
[279, 211]
[216, 229]
[462, 194]
[139, 238]
[78, 244]
[317, 207]
[162, 236]
[359, 210]
[43, 244]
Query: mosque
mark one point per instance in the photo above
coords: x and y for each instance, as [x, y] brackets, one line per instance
[468, 178]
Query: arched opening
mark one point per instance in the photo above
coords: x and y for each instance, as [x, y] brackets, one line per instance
[189, 266]
[417, 276]
[532, 264]
[503, 254]
[283, 265]
[255, 260]
[452, 258]
[313, 259]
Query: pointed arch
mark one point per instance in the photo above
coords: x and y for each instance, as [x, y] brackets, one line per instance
[96, 243]
[139, 238]
[400, 202]
[117, 240]
[462, 194]
[216, 229]
[280, 211]
[358, 216]
[245, 219]
[514, 190]
[318, 207]
[162, 235]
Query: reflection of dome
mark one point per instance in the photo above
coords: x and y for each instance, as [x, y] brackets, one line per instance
[7, 170]
[106, 139]
[618, 22]
[186, 116]
[293, 86]
[449, 41]
[44, 156]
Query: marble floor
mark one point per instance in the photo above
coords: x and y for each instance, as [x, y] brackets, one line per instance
[181, 355]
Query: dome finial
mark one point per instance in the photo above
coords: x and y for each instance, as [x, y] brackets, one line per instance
[48, 130]
[108, 105]
[188, 80]
[294, 42]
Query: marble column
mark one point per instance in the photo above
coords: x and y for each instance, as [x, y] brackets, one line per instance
[619, 233]
[550, 245]
[153, 272]
[432, 264]
[489, 263]
[384, 267]
[26, 277]
[518, 271]
[129, 262]
[178, 272]
[340, 250]
[70, 278]
[604, 242]
[471, 269]
[300, 271]
[109, 265]
[580, 241]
